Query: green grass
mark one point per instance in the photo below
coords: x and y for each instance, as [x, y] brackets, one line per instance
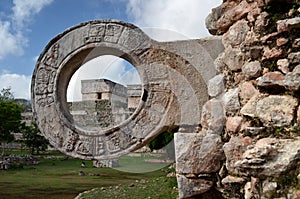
[59, 178]
[155, 188]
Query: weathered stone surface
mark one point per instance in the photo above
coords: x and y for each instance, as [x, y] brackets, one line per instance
[233, 124]
[219, 62]
[168, 71]
[249, 109]
[234, 150]
[231, 100]
[268, 37]
[268, 188]
[271, 80]
[192, 187]
[234, 58]
[283, 65]
[236, 34]
[260, 22]
[229, 180]
[213, 116]
[216, 85]
[232, 15]
[273, 110]
[272, 53]
[276, 110]
[288, 24]
[292, 79]
[251, 189]
[252, 69]
[281, 41]
[294, 58]
[296, 43]
[269, 157]
[194, 149]
[247, 91]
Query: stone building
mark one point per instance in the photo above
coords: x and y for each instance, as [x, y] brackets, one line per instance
[134, 93]
[104, 103]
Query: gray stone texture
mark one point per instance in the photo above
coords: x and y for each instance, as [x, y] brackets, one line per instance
[216, 86]
[213, 116]
[194, 149]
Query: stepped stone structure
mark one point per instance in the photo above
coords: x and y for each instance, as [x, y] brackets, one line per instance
[104, 104]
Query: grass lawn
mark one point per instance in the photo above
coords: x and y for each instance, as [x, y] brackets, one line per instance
[59, 178]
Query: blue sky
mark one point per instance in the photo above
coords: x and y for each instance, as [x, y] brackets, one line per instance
[26, 26]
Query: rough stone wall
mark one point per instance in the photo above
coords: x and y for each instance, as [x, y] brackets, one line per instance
[253, 106]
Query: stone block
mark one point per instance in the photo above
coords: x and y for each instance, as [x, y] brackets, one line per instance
[192, 187]
[198, 154]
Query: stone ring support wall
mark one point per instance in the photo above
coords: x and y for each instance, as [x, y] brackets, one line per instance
[173, 76]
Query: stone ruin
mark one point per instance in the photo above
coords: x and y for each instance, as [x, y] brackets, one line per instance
[231, 100]
[104, 103]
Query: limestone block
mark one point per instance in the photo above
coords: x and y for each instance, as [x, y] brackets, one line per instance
[283, 65]
[236, 34]
[271, 80]
[276, 110]
[234, 150]
[287, 24]
[234, 58]
[216, 85]
[213, 116]
[198, 154]
[294, 58]
[252, 69]
[272, 53]
[296, 43]
[292, 79]
[247, 91]
[269, 157]
[233, 124]
[192, 187]
[231, 100]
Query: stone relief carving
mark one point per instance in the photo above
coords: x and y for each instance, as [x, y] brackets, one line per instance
[152, 59]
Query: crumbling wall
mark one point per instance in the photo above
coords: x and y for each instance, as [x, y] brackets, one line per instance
[254, 103]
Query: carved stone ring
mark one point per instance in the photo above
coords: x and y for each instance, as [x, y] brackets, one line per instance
[173, 84]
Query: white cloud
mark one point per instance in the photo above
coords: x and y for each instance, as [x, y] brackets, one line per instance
[20, 84]
[177, 18]
[10, 43]
[108, 67]
[23, 10]
[163, 21]
[11, 32]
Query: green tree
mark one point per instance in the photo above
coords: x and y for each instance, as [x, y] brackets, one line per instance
[10, 117]
[163, 140]
[33, 138]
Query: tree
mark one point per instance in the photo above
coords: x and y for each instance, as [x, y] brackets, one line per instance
[33, 138]
[162, 140]
[10, 117]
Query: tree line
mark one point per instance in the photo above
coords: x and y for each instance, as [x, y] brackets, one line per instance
[11, 122]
